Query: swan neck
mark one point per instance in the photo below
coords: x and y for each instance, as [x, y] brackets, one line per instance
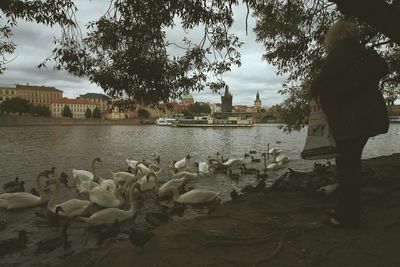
[95, 178]
[132, 201]
[155, 179]
[42, 193]
[175, 193]
[52, 202]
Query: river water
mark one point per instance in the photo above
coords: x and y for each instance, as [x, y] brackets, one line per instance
[25, 151]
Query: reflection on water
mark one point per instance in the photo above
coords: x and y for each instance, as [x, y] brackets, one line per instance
[24, 151]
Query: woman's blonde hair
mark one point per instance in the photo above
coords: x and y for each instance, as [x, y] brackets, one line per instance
[339, 31]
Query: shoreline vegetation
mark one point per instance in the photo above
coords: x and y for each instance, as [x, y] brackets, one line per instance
[278, 226]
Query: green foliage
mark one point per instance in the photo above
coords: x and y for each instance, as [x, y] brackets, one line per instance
[127, 53]
[40, 110]
[169, 106]
[263, 110]
[96, 113]
[143, 114]
[199, 108]
[45, 12]
[66, 112]
[88, 113]
[292, 33]
[15, 105]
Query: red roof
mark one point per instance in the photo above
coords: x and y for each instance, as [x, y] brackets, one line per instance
[37, 88]
[72, 101]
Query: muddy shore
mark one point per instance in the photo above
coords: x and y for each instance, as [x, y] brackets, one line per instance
[275, 227]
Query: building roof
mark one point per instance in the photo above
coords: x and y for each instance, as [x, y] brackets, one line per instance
[37, 88]
[8, 86]
[72, 101]
[94, 96]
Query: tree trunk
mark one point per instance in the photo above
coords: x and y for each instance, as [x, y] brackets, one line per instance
[377, 13]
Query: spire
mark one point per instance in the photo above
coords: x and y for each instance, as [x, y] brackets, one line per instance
[226, 91]
[257, 96]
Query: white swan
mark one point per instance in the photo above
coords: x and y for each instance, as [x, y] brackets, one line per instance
[282, 158]
[232, 163]
[106, 198]
[132, 163]
[204, 168]
[85, 175]
[149, 182]
[275, 151]
[70, 208]
[23, 199]
[176, 183]
[194, 196]
[86, 186]
[110, 215]
[182, 163]
[123, 177]
[274, 165]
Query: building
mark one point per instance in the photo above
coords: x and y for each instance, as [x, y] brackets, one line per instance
[226, 101]
[78, 107]
[257, 104]
[187, 100]
[37, 95]
[101, 101]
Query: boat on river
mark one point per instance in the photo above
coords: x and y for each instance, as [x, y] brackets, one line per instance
[163, 121]
[218, 119]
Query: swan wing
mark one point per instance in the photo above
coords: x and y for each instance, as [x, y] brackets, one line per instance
[20, 200]
[108, 216]
[83, 175]
[132, 163]
[73, 207]
[198, 196]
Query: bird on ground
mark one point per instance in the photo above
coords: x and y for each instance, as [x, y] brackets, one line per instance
[52, 218]
[11, 185]
[59, 240]
[16, 188]
[252, 152]
[132, 163]
[22, 199]
[85, 175]
[253, 159]
[140, 237]
[108, 232]
[109, 215]
[195, 196]
[14, 245]
[70, 208]
[63, 178]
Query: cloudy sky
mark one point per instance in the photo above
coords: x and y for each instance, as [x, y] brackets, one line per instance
[34, 44]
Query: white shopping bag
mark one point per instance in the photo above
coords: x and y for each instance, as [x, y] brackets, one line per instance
[319, 142]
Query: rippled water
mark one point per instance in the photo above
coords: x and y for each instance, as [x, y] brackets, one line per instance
[24, 151]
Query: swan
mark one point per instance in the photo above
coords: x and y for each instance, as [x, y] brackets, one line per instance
[149, 182]
[106, 198]
[132, 163]
[123, 177]
[23, 199]
[182, 163]
[204, 168]
[110, 215]
[194, 196]
[274, 165]
[282, 158]
[176, 183]
[186, 174]
[86, 186]
[69, 208]
[274, 151]
[232, 163]
[84, 175]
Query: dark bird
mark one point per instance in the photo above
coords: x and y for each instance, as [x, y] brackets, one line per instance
[140, 237]
[15, 244]
[34, 191]
[246, 155]
[108, 232]
[252, 152]
[11, 184]
[19, 187]
[234, 195]
[53, 219]
[253, 159]
[63, 178]
[50, 171]
[55, 242]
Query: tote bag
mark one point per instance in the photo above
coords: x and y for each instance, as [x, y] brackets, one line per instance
[319, 141]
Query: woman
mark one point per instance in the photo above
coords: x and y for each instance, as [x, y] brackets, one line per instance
[347, 88]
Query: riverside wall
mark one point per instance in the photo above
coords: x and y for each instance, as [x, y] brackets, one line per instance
[42, 121]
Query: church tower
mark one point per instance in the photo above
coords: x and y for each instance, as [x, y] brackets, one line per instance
[257, 104]
[226, 101]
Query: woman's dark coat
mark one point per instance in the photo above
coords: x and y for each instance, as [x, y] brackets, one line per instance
[347, 85]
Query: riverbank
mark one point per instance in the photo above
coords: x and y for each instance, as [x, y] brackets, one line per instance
[43, 121]
[276, 227]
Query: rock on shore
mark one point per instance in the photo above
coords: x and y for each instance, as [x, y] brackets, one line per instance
[278, 227]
